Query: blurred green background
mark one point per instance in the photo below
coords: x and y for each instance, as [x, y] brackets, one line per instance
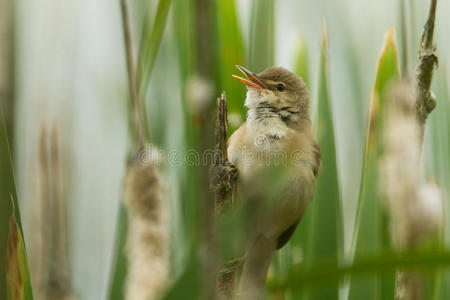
[66, 62]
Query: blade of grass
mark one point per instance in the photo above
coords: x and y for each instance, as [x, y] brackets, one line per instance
[231, 51]
[371, 233]
[116, 288]
[324, 242]
[7, 67]
[382, 263]
[10, 224]
[18, 285]
[149, 47]
[302, 61]
[261, 55]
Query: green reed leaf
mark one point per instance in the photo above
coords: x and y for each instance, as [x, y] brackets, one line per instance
[14, 273]
[325, 238]
[119, 267]
[231, 53]
[150, 45]
[262, 31]
[371, 234]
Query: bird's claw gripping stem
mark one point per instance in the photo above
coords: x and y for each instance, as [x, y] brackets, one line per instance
[224, 176]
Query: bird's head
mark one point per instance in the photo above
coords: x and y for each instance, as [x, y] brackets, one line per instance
[277, 88]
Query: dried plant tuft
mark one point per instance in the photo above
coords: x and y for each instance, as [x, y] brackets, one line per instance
[415, 208]
[147, 241]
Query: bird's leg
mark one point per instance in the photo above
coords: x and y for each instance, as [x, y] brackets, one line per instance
[256, 264]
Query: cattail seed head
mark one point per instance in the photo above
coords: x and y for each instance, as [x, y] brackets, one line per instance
[147, 240]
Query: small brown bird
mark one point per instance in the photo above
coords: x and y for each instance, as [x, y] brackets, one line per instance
[277, 160]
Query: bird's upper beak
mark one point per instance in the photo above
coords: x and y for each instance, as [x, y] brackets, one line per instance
[253, 81]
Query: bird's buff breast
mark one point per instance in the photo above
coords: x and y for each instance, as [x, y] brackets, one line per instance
[271, 170]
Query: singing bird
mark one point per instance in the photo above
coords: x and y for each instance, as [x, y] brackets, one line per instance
[277, 161]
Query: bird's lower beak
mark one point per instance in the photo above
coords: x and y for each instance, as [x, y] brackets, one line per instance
[252, 81]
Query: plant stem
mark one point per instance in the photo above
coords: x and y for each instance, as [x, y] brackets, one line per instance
[132, 82]
[427, 60]
[223, 183]
[221, 156]
[404, 37]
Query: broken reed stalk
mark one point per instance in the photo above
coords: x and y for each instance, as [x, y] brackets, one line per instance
[221, 157]
[223, 182]
[426, 62]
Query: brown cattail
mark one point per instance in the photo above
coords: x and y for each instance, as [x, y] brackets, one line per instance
[414, 211]
[415, 208]
[147, 242]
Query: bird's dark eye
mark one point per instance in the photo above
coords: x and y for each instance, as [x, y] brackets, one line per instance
[281, 87]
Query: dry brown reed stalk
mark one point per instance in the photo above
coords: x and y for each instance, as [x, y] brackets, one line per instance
[147, 240]
[426, 62]
[223, 176]
[415, 209]
[223, 173]
[49, 266]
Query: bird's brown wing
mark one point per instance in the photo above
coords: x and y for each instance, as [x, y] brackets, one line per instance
[287, 234]
[318, 159]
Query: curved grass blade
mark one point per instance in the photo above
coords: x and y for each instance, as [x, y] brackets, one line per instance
[371, 234]
[119, 269]
[325, 238]
[231, 52]
[262, 41]
[302, 61]
[150, 46]
[14, 273]
[18, 285]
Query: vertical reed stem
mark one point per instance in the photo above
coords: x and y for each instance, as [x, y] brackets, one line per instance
[426, 61]
[132, 82]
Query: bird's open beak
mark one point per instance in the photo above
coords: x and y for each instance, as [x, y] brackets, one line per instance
[252, 81]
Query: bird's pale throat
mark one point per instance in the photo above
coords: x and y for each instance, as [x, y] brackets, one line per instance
[264, 110]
